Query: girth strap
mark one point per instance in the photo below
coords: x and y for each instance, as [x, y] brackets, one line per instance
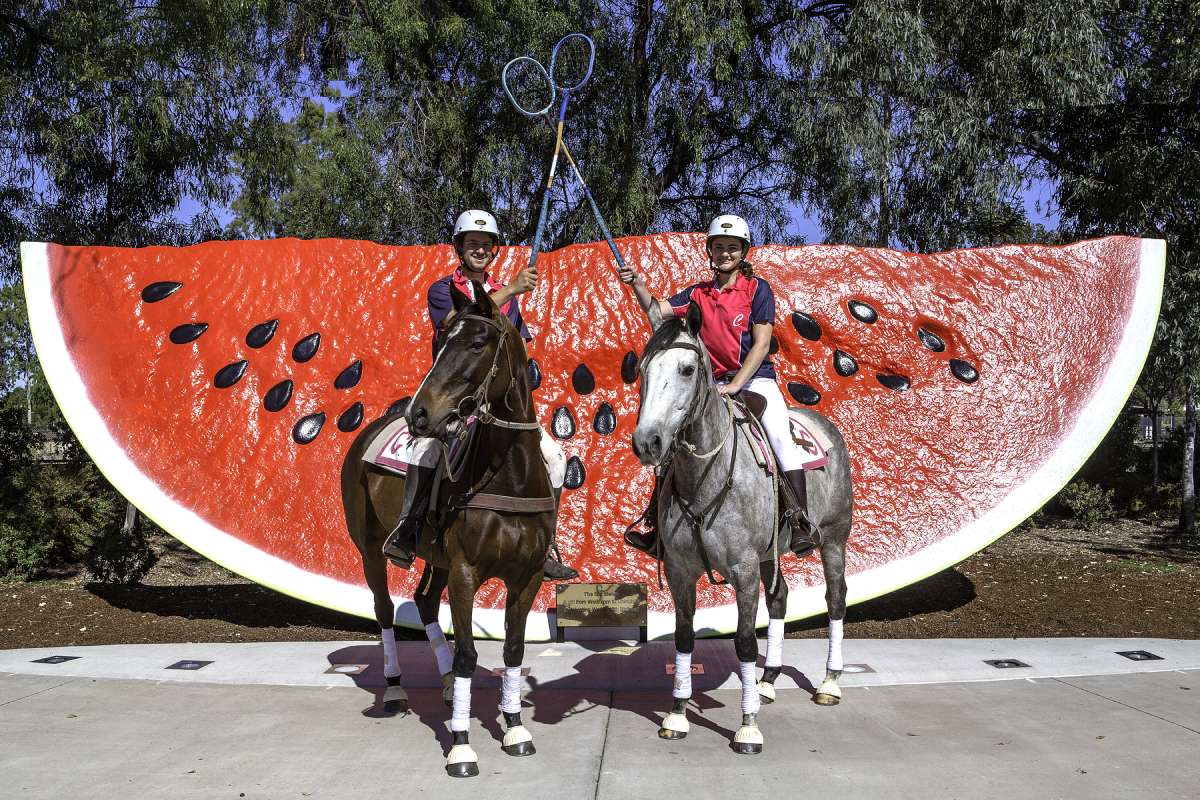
[511, 505]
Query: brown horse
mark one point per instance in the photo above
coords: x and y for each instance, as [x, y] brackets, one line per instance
[499, 516]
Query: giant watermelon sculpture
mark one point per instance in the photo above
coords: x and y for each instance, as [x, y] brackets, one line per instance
[218, 387]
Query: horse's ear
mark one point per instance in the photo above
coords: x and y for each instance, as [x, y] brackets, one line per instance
[459, 300]
[482, 300]
[694, 318]
[654, 312]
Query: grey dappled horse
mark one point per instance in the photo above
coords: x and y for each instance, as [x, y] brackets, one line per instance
[717, 510]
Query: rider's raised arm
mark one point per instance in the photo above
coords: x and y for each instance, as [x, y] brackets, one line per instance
[644, 298]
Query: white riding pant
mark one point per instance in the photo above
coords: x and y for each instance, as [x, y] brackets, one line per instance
[775, 421]
[425, 451]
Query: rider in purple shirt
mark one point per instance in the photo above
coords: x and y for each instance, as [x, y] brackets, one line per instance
[476, 240]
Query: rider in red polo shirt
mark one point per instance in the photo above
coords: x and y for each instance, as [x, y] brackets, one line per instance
[476, 241]
[739, 313]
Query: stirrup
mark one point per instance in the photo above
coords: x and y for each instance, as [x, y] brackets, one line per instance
[555, 570]
[397, 551]
[646, 542]
[806, 536]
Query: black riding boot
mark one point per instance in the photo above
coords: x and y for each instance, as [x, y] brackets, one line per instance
[554, 568]
[805, 536]
[401, 546]
[646, 542]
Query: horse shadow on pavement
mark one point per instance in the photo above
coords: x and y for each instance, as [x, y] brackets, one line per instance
[608, 675]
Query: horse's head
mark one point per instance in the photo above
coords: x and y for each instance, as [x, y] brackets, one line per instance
[675, 373]
[480, 356]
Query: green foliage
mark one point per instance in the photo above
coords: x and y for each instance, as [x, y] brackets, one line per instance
[120, 556]
[1088, 504]
[49, 513]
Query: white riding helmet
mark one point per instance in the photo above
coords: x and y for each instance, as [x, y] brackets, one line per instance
[474, 219]
[728, 225]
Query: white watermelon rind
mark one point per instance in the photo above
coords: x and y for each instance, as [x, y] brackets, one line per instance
[1092, 424]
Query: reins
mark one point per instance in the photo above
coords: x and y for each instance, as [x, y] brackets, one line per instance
[698, 522]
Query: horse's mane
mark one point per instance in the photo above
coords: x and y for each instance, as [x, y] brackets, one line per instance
[663, 335]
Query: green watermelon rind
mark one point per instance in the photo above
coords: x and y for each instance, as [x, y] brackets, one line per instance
[230, 552]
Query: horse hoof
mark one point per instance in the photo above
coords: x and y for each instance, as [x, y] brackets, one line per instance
[674, 726]
[766, 692]
[395, 700]
[822, 699]
[519, 749]
[462, 762]
[518, 741]
[748, 740]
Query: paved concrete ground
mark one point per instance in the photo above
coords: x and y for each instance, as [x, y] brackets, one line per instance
[77, 730]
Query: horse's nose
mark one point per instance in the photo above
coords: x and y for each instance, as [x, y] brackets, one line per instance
[648, 447]
[418, 421]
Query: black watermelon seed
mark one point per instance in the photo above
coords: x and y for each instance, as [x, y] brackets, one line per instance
[278, 396]
[576, 474]
[562, 424]
[230, 374]
[862, 312]
[629, 367]
[349, 377]
[806, 326]
[804, 393]
[160, 290]
[774, 346]
[931, 340]
[400, 406]
[188, 332]
[306, 348]
[844, 364]
[307, 428]
[351, 418]
[896, 382]
[262, 333]
[535, 374]
[605, 421]
[582, 380]
[963, 371]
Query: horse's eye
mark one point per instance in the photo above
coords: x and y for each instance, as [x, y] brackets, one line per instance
[688, 371]
[478, 346]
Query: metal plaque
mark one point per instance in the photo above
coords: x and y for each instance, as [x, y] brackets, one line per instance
[53, 659]
[1139, 655]
[601, 605]
[189, 665]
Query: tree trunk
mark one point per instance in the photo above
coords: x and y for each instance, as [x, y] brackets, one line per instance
[130, 518]
[1187, 511]
[1154, 457]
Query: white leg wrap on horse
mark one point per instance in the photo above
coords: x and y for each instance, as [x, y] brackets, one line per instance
[774, 643]
[460, 714]
[391, 662]
[835, 645]
[750, 700]
[510, 691]
[683, 675]
[441, 648]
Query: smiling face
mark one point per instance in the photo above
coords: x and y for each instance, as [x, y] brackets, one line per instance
[477, 250]
[726, 252]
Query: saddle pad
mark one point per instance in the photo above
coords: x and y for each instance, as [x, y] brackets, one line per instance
[811, 443]
[386, 450]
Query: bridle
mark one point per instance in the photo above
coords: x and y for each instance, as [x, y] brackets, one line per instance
[699, 400]
[481, 406]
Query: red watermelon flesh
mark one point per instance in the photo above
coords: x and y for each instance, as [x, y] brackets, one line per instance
[1047, 343]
